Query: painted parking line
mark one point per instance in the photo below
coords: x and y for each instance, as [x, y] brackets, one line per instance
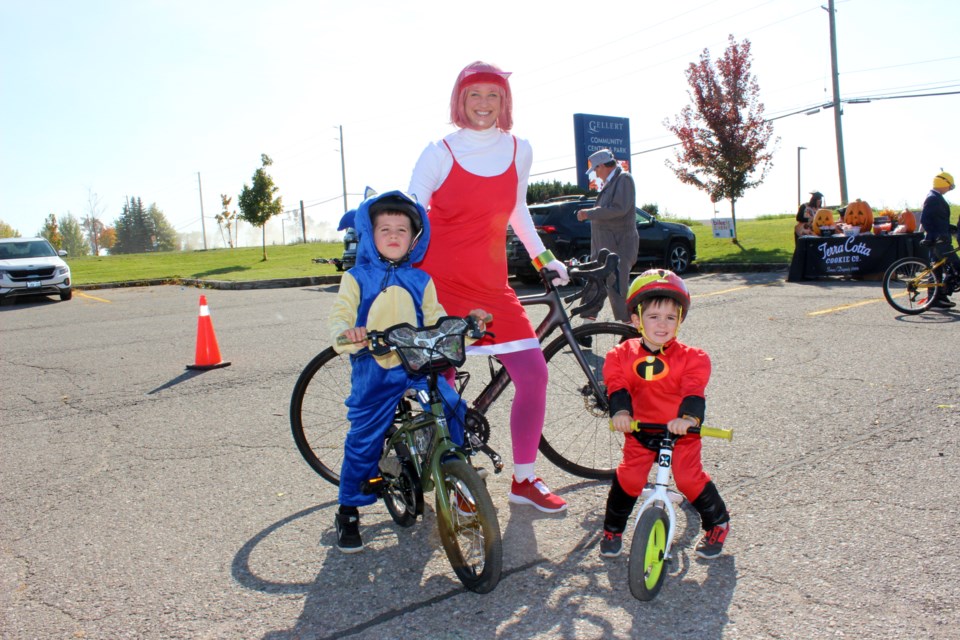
[731, 290]
[844, 307]
[89, 297]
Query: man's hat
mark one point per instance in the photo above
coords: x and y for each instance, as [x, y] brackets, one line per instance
[602, 156]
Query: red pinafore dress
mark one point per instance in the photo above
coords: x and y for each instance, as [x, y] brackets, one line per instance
[467, 256]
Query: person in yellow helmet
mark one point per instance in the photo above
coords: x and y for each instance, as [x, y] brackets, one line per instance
[935, 220]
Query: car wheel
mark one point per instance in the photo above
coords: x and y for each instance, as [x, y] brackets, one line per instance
[678, 258]
[66, 294]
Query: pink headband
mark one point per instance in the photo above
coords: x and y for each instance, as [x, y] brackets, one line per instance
[485, 77]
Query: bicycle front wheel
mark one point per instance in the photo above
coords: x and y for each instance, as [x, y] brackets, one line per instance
[318, 415]
[648, 554]
[576, 429]
[910, 285]
[469, 532]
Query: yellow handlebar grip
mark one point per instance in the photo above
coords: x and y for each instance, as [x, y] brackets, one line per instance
[717, 432]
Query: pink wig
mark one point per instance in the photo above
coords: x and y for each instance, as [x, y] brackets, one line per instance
[481, 73]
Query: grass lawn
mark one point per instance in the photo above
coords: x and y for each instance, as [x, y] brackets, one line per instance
[765, 240]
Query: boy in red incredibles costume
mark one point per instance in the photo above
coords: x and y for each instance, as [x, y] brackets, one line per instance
[656, 379]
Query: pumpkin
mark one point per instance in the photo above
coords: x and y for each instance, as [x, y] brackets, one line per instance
[823, 218]
[907, 219]
[859, 214]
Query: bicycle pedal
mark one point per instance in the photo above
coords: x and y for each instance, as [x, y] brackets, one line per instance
[373, 486]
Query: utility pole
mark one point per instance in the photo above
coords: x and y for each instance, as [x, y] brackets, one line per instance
[203, 226]
[799, 149]
[343, 171]
[303, 223]
[841, 165]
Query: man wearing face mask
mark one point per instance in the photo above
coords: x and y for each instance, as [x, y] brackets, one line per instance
[613, 226]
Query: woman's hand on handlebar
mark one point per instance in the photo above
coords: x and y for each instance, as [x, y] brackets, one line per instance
[560, 275]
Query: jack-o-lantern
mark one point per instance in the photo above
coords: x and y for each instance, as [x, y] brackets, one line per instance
[908, 220]
[859, 214]
[823, 221]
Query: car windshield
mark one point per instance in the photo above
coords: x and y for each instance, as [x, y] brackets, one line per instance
[26, 249]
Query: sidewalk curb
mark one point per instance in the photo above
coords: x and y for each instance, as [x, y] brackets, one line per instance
[306, 281]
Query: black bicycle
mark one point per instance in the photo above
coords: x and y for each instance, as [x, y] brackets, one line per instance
[576, 436]
[911, 285]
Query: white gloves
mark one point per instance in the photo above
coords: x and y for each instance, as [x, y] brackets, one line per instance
[561, 270]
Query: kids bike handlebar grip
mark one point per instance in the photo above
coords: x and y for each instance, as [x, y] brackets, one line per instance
[717, 432]
[703, 430]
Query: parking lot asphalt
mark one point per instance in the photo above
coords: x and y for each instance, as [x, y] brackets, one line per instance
[142, 500]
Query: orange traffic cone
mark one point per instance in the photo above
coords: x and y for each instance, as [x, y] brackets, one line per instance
[208, 353]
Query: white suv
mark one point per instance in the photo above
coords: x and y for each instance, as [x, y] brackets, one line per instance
[30, 266]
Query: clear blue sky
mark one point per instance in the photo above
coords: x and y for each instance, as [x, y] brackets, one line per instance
[137, 98]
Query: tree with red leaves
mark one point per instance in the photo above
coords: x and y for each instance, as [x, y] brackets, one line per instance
[723, 135]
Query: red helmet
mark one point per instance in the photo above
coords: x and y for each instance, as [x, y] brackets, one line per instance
[658, 283]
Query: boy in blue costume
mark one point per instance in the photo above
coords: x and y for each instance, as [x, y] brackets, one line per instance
[383, 289]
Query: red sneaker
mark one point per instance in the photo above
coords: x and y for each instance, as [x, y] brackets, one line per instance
[537, 494]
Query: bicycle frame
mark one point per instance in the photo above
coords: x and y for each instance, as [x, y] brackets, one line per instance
[664, 473]
[426, 454]
[556, 318]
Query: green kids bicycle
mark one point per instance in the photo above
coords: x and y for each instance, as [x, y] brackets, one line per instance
[419, 455]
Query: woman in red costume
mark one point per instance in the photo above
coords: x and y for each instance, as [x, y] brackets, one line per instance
[474, 183]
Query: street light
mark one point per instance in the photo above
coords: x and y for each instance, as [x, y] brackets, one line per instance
[799, 149]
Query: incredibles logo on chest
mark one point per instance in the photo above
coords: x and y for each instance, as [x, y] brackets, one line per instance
[651, 368]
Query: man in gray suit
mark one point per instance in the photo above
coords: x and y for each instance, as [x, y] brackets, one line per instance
[613, 226]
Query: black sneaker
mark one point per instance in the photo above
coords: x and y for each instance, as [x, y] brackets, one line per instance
[711, 544]
[348, 533]
[944, 303]
[585, 342]
[611, 544]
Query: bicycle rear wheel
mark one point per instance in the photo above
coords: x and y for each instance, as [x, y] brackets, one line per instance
[470, 532]
[318, 415]
[648, 552]
[910, 285]
[576, 429]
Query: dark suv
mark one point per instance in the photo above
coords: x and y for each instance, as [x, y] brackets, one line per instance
[669, 244]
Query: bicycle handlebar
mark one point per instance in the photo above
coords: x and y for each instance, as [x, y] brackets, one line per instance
[598, 271]
[379, 346]
[703, 430]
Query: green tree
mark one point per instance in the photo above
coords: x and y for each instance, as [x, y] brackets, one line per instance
[257, 204]
[723, 136]
[164, 236]
[543, 191]
[134, 228]
[74, 240]
[6, 231]
[51, 231]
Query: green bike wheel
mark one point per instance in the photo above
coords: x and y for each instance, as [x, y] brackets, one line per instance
[469, 529]
[648, 554]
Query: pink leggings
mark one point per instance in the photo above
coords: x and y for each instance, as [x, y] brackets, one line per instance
[528, 370]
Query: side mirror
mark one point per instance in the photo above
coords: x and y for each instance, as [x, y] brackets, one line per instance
[62, 253]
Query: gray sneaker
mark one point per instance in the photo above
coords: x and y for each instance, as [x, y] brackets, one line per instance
[348, 533]
[611, 544]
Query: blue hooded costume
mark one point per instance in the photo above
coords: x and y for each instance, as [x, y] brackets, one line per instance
[378, 294]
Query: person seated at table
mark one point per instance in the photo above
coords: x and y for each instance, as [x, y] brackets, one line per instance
[805, 215]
